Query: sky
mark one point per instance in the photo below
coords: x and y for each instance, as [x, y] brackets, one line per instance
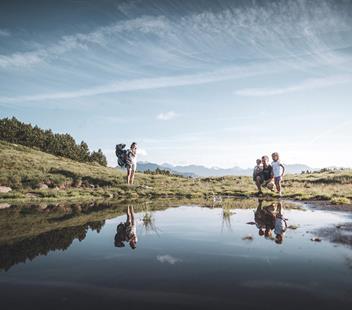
[216, 83]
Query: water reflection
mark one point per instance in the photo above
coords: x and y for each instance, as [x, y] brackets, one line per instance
[269, 219]
[28, 249]
[31, 231]
[127, 232]
[192, 263]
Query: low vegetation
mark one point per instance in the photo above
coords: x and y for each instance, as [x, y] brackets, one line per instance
[35, 175]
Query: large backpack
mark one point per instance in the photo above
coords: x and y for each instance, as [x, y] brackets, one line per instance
[121, 154]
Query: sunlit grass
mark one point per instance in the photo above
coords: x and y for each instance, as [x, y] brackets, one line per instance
[23, 169]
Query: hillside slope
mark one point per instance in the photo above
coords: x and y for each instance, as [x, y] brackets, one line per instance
[34, 175]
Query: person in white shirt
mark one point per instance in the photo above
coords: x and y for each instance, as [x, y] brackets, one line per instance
[278, 171]
[131, 162]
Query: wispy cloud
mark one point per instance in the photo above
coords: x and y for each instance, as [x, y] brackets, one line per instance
[148, 83]
[168, 259]
[142, 152]
[4, 33]
[305, 85]
[166, 116]
[82, 41]
[262, 31]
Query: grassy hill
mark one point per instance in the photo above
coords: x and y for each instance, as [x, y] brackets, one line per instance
[35, 175]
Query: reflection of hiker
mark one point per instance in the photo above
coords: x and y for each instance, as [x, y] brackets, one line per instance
[266, 176]
[280, 225]
[127, 232]
[258, 168]
[278, 171]
[127, 159]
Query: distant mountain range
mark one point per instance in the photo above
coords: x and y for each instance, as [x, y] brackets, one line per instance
[202, 171]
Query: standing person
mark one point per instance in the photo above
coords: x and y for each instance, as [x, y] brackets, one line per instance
[131, 162]
[278, 171]
[266, 176]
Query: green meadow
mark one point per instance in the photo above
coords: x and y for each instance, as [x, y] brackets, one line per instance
[37, 176]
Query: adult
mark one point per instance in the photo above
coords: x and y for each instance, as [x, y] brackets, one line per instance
[265, 177]
[131, 162]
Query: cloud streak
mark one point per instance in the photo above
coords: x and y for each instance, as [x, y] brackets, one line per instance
[4, 33]
[308, 84]
[146, 84]
[278, 29]
[166, 116]
[82, 41]
[168, 259]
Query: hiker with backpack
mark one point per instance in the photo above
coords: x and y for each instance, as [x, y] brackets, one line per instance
[127, 159]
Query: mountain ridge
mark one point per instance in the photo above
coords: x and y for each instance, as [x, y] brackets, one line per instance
[203, 171]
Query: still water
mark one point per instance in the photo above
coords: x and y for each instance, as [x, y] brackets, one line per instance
[185, 257]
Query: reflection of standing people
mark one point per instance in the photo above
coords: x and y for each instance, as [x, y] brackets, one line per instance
[280, 225]
[131, 162]
[127, 232]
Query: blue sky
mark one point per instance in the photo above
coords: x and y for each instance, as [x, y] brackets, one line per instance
[217, 83]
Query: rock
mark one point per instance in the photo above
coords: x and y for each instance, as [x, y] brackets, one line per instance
[293, 227]
[77, 183]
[315, 239]
[249, 237]
[4, 206]
[42, 206]
[42, 186]
[5, 189]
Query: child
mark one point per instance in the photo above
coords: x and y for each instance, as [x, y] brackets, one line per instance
[257, 169]
[280, 225]
[278, 171]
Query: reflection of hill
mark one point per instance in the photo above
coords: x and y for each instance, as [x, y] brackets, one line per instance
[42, 244]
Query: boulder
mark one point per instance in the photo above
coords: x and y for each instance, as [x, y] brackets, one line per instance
[5, 189]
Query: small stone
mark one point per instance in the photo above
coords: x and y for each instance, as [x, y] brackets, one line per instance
[42, 186]
[249, 237]
[5, 189]
[316, 239]
[293, 227]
